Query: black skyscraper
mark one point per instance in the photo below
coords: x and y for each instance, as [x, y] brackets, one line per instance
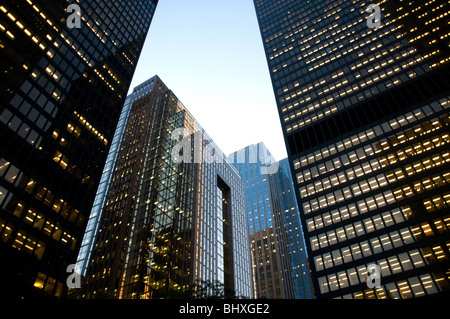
[62, 90]
[365, 116]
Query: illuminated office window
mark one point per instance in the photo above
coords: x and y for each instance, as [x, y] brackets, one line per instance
[184, 223]
[62, 93]
[365, 114]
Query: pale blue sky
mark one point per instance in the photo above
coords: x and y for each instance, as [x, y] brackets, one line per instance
[210, 54]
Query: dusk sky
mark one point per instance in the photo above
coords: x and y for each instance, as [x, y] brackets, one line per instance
[210, 54]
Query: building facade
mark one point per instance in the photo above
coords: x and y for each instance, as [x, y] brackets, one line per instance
[279, 261]
[62, 90]
[365, 114]
[285, 201]
[173, 215]
[152, 86]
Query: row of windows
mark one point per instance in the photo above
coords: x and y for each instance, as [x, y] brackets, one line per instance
[367, 112]
[389, 241]
[414, 149]
[314, 33]
[29, 185]
[376, 132]
[326, 84]
[432, 204]
[328, 32]
[103, 74]
[157, 260]
[374, 245]
[39, 221]
[41, 121]
[32, 216]
[320, 60]
[37, 98]
[354, 209]
[49, 284]
[370, 166]
[42, 43]
[356, 45]
[26, 242]
[391, 265]
[437, 202]
[24, 130]
[72, 169]
[377, 201]
[347, 102]
[368, 71]
[117, 36]
[289, 20]
[22, 241]
[373, 165]
[416, 286]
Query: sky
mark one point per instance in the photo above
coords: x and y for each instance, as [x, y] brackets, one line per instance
[210, 54]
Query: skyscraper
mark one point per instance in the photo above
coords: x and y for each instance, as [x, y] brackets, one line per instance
[364, 111]
[63, 86]
[173, 214]
[152, 87]
[284, 200]
[280, 268]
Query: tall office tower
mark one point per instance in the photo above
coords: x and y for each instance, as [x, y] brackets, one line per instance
[279, 261]
[364, 111]
[284, 200]
[62, 91]
[173, 214]
[152, 87]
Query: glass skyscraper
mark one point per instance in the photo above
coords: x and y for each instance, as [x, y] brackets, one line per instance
[152, 85]
[172, 211]
[279, 260]
[284, 195]
[62, 90]
[365, 116]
